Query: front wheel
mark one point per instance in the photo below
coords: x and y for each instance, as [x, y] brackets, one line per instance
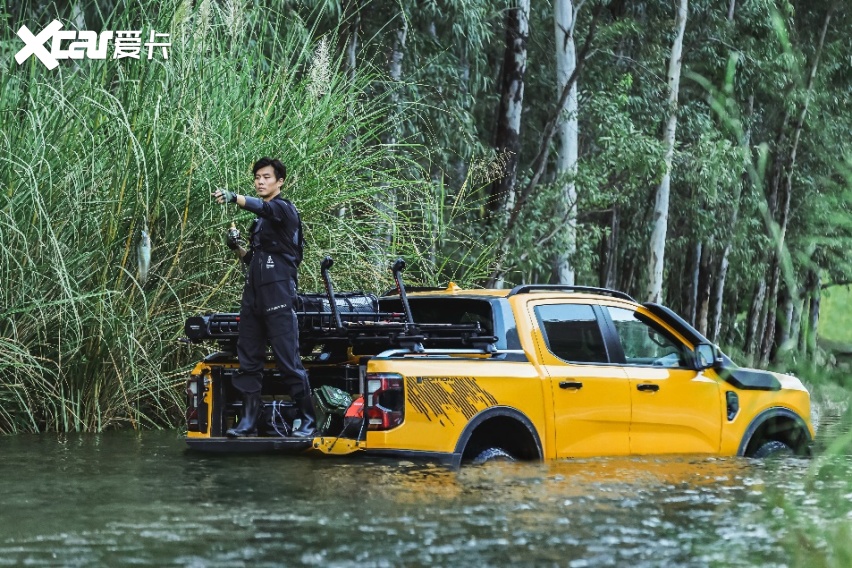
[773, 449]
[493, 454]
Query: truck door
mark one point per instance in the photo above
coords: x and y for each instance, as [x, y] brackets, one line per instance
[591, 397]
[675, 408]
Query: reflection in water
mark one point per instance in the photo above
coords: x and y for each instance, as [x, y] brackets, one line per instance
[134, 498]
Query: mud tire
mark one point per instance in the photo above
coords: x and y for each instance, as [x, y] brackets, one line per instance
[773, 449]
[493, 454]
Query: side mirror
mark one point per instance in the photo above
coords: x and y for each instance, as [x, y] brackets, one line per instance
[707, 355]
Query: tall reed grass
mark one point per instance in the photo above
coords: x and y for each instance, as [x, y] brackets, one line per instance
[93, 152]
[823, 539]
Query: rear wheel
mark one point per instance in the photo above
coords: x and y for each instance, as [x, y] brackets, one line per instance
[774, 449]
[493, 454]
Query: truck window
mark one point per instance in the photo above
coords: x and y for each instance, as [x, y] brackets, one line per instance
[646, 344]
[571, 332]
[445, 310]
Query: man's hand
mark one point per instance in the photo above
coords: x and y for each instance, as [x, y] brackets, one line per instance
[223, 196]
[234, 240]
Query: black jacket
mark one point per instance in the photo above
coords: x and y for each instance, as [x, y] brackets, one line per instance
[276, 238]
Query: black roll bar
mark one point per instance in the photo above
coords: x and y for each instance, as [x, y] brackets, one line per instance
[397, 269]
[327, 263]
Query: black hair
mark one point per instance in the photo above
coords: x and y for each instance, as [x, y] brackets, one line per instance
[280, 169]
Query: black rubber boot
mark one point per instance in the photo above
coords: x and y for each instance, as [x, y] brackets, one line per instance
[307, 427]
[248, 421]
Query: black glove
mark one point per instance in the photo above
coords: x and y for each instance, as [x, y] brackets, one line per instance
[225, 195]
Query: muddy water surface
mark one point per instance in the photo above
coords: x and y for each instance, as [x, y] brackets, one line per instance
[126, 498]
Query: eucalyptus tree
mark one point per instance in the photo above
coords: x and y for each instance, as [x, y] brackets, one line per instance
[710, 160]
[507, 137]
[657, 246]
[352, 26]
[386, 201]
[564, 20]
[534, 223]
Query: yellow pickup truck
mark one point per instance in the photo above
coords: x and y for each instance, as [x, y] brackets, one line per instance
[535, 372]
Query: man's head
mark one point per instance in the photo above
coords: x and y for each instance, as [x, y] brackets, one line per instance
[269, 177]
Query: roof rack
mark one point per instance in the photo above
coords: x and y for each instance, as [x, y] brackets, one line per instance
[351, 319]
[527, 288]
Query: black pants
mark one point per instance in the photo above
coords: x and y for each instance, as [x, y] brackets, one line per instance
[266, 315]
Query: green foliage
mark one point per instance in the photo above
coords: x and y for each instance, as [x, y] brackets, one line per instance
[826, 484]
[97, 151]
[836, 322]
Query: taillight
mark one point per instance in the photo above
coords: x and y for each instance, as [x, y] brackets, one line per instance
[385, 401]
[192, 404]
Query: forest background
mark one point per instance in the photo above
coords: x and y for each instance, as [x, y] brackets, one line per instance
[691, 152]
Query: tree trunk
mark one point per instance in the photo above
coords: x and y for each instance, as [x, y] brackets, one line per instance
[386, 201]
[728, 332]
[785, 319]
[719, 290]
[692, 290]
[566, 135]
[629, 275]
[705, 283]
[796, 319]
[767, 346]
[78, 16]
[656, 261]
[539, 164]
[813, 320]
[353, 16]
[719, 294]
[754, 328]
[609, 252]
[507, 140]
[395, 58]
[804, 314]
[464, 82]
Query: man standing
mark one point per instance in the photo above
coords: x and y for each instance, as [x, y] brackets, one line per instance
[266, 311]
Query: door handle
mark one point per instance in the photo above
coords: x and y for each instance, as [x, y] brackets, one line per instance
[647, 387]
[574, 385]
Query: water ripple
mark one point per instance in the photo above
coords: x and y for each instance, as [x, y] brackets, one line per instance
[125, 498]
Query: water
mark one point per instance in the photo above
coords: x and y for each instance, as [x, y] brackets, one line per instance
[139, 499]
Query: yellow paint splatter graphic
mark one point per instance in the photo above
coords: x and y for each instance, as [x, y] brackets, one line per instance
[434, 396]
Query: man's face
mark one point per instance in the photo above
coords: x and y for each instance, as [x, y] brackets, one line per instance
[266, 183]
